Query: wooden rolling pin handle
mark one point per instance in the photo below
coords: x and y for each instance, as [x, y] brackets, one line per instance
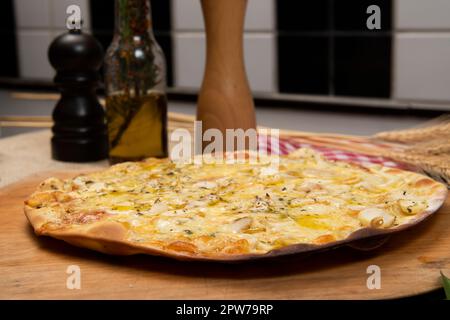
[225, 100]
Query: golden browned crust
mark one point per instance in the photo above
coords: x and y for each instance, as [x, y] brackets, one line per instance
[110, 237]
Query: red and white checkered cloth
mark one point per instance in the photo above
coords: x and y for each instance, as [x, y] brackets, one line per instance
[287, 145]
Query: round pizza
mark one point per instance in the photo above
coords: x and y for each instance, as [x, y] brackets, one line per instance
[219, 211]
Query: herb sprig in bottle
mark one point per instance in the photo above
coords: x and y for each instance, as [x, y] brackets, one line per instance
[135, 83]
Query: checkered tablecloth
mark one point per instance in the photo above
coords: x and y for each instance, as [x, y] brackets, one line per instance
[287, 145]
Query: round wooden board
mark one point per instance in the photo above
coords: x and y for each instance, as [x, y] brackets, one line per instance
[35, 267]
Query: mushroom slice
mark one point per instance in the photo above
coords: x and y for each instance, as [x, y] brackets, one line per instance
[204, 184]
[158, 207]
[240, 224]
[376, 218]
[411, 207]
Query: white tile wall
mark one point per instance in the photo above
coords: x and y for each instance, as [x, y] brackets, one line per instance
[260, 15]
[259, 44]
[187, 15]
[189, 60]
[421, 50]
[260, 62]
[422, 67]
[47, 14]
[422, 14]
[32, 47]
[32, 14]
[38, 23]
[59, 16]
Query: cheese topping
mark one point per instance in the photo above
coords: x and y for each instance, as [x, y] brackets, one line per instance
[216, 208]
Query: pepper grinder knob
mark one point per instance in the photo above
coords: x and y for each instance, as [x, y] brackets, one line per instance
[79, 130]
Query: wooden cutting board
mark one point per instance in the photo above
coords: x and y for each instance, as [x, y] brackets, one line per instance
[35, 268]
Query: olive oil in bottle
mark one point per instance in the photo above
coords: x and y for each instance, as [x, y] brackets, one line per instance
[135, 83]
[136, 126]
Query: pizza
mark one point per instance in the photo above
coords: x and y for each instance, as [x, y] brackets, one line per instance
[221, 211]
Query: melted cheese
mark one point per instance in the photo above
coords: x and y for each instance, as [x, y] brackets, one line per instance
[241, 208]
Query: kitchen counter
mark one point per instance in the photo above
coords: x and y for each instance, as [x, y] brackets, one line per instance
[25, 154]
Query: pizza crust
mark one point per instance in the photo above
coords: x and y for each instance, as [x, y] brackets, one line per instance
[110, 237]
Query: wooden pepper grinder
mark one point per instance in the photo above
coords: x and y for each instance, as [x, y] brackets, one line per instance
[225, 100]
[79, 130]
